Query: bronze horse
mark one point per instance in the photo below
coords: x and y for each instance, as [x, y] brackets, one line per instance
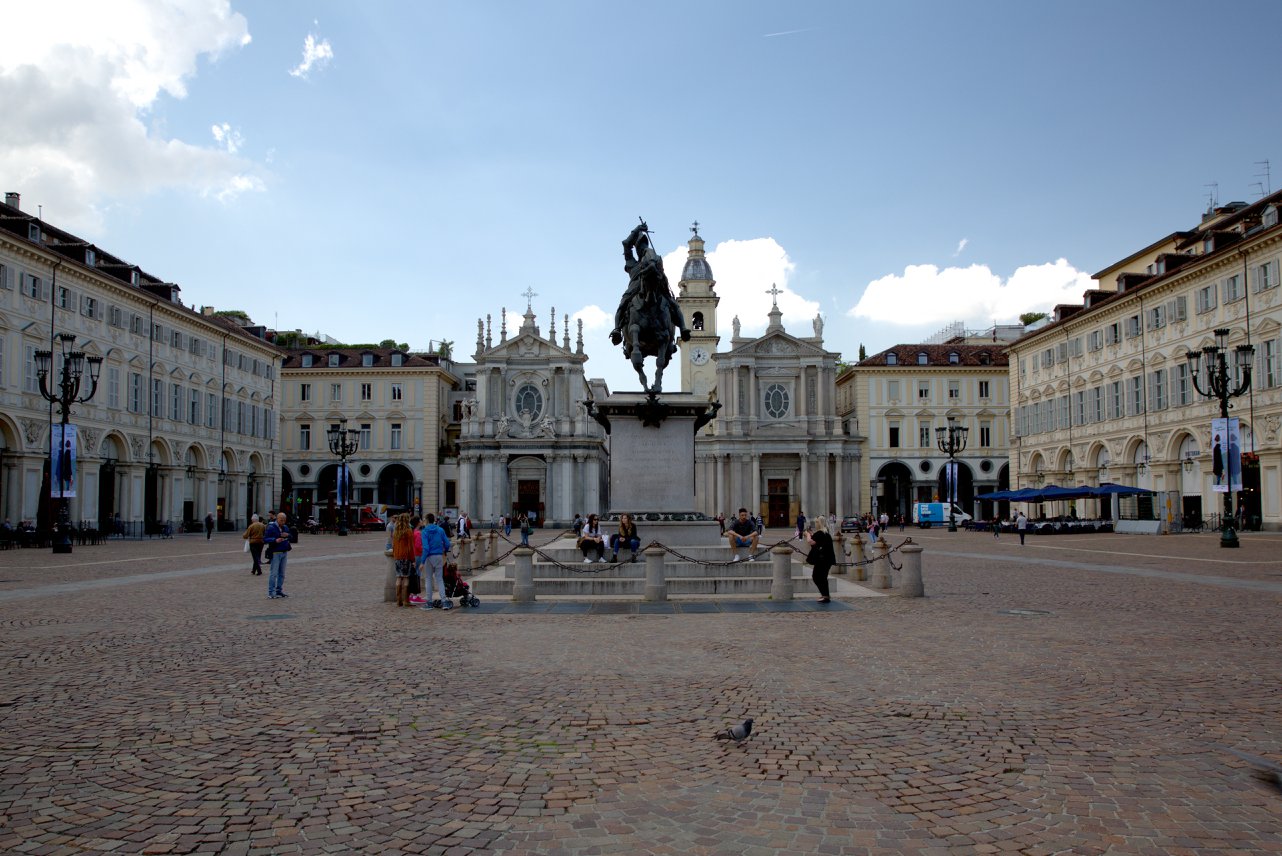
[647, 314]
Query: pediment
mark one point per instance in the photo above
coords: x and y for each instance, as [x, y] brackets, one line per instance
[777, 344]
[525, 346]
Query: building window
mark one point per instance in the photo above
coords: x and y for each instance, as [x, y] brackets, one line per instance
[892, 390]
[395, 436]
[923, 358]
[923, 390]
[304, 392]
[923, 433]
[1205, 298]
[954, 389]
[983, 389]
[1233, 289]
[892, 359]
[985, 435]
[367, 360]
[1269, 363]
[1158, 382]
[696, 321]
[893, 434]
[336, 392]
[305, 361]
[1115, 400]
[1266, 275]
[1113, 333]
[1097, 404]
[1132, 326]
[1157, 318]
[1136, 395]
[1095, 340]
[304, 438]
[953, 358]
[451, 493]
[396, 392]
[366, 433]
[776, 401]
[333, 361]
[367, 392]
[135, 392]
[1079, 409]
[528, 402]
[89, 306]
[113, 387]
[398, 359]
[193, 408]
[176, 403]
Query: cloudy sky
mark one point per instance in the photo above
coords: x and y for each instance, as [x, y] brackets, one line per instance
[398, 169]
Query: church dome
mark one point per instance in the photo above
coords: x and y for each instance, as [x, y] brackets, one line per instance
[697, 267]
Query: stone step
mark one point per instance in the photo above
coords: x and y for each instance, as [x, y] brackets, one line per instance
[631, 570]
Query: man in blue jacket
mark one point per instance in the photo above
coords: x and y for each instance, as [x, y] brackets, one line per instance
[276, 540]
[435, 545]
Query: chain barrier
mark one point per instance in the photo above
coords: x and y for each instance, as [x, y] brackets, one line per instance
[600, 567]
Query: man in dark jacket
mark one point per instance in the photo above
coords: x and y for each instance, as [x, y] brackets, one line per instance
[276, 538]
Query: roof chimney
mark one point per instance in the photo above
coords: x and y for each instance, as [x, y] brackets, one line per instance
[12, 199]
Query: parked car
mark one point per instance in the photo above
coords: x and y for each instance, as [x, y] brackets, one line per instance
[852, 524]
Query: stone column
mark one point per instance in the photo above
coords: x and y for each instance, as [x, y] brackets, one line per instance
[492, 548]
[881, 564]
[840, 500]
[803, 494]
[839, 546]
[825, 464]
[523, 584]
[464, 555]
[781, 566]
[389, 582]
[757, 490]
[910, 583]
[656, 585]
[858, 556]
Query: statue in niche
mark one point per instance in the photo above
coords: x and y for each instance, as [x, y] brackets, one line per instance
[647, 312]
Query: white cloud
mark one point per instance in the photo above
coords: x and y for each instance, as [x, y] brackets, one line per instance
[744, 272]
[961, 245]
[315, 55]
[594, 318]
[228, 137]
[78, 79]
[925, 294]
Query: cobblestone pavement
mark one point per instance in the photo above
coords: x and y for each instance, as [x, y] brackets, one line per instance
[153, 700]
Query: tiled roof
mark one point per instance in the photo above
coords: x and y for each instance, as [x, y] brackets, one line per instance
[350, 358]
[969, 356]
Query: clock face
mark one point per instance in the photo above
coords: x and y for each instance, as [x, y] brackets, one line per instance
[699, 356]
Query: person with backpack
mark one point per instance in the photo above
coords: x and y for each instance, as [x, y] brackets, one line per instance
[436, 544]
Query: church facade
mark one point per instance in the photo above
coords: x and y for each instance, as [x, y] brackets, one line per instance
[777, 446]
[526, 442]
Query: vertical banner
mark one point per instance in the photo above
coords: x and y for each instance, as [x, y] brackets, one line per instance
[342, 482]
[62, 462]
[1226, 454]
[950, 482]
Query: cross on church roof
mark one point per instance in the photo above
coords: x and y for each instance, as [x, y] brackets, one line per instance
[529, 294]
[774, 291]
[695, 228]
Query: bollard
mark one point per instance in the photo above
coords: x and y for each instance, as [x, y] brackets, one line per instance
[464, 556]
[781, 565]
[839, 547]
[656, 583]
[492, 549]
[523, 585]
[910, 584]
[389, 585]
[880, 577]
[861, 570]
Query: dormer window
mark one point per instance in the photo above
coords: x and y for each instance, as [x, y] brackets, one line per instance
[953, 358]
[305, 361]
[1270, 216]
[892, 359]
[91, 258]
[367, 359]
[134, 277]
[922, 358]
[985, 358]
[33, 231]
[398, 359]
[333, 361]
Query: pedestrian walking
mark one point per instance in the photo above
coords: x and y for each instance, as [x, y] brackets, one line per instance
[801, 524]
[254, 536]
[1021, 524]
[997, 527]
[821, 557]
[209, 526]
[526, 529]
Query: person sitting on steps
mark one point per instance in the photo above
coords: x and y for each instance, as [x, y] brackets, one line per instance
[591, 541]
[627, 535]
[742, 533]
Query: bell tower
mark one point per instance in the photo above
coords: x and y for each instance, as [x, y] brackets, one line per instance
[697, 296]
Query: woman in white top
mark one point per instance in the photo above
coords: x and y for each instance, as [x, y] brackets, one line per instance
[590, 540]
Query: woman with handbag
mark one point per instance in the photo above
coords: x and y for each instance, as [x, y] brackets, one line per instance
[403, 555]
[254, 544]
[821, 557]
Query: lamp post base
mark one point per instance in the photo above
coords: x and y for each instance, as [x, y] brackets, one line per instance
[1228, 537]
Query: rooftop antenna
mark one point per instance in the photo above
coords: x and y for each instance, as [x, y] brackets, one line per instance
[1264, 174]
[1213, 197]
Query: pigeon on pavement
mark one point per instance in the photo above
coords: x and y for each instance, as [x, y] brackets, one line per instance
[737, 733]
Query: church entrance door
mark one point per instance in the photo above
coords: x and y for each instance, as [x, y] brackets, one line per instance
[527, 499]
[777, 502]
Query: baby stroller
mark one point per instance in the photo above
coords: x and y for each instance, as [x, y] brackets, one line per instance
[456, 587]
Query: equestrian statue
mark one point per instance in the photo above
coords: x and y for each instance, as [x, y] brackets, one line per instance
[647, 313]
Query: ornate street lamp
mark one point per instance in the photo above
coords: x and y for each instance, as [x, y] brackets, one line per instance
[1223, 383]
[343, 442]
[951, 440]
[65, 395]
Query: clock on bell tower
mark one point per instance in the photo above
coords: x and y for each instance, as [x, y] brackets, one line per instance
[697, 296]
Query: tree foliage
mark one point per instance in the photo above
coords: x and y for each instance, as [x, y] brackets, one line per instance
[1029, 317]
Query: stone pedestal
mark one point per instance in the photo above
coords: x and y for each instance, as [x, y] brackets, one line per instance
[652, 465]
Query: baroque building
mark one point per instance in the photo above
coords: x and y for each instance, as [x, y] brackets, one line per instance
[526, 443]
[901, 395]
[1103, 392]
[399, 403]
[184, 419]
[776, 446]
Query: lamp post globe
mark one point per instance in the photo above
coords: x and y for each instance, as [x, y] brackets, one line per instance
[1223, 381]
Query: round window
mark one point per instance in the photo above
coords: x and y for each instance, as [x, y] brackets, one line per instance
[529, 402]
[776, 401]
[925, 466]
[365, 469]
[986, 466]
[304, 470]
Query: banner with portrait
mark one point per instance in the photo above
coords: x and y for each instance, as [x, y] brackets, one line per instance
[1226, 454]
[62, 462]
[344, 483]
[950, 482]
